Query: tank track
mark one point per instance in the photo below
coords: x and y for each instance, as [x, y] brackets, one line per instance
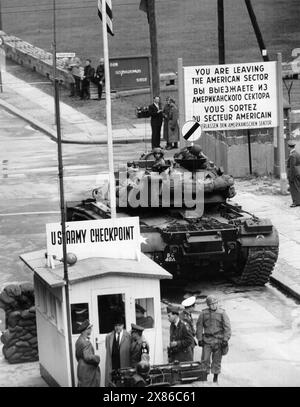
[258, 267]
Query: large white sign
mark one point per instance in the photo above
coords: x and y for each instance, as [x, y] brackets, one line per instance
[231, 97]
[112, 238]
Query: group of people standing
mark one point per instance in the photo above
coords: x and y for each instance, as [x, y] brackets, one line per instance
[212, 334]
[80, 77]
[168, 117]
[123, 349]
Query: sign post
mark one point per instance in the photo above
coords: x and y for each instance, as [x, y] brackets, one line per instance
[2, 58]
[181, 104]
[280, 131]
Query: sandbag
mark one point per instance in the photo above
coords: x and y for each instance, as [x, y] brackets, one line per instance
[13, 318]
[13, 290]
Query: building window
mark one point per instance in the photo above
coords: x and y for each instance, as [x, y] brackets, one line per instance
[79, 313]
[144, 312]
[52, 308]
[110, 309]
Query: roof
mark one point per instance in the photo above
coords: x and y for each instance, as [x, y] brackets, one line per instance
[95, 267]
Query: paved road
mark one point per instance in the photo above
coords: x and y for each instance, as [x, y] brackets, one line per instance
[266, 324]
[29, 186]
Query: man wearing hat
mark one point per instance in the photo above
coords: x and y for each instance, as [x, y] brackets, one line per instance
[293, 173]
[187, 318]
[139, 348]
[88, 371]
[213, 334]
[181, 339]
[117, 345]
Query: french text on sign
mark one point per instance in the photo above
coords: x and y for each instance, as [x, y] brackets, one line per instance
[191, 130]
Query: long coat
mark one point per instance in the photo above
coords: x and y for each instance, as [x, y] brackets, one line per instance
[293, 174]
[183, 352]
[88, 371]
[173, 128]
[124, 353]
[166, 113]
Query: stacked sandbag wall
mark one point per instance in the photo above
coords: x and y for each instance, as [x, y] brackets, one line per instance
[20, 336]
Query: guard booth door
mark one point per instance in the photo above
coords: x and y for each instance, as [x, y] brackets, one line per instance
[106, 305]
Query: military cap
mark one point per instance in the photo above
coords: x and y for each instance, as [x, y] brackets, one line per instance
[85, 325]
[211, 299]
[137, 328]
[189, 302]
[174, 309]
[291, 143]
[139, 308]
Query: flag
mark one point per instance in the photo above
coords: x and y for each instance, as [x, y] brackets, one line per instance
[109, 15]
[144, 7]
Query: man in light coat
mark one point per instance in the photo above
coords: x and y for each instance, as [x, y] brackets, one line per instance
[88, 371]
[117, 345]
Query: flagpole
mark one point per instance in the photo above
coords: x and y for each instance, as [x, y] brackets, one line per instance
[62, 201]
[108, 115]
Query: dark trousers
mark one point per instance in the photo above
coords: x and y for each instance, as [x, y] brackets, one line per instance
[295, 190]
[155, 138]
[100, 88]
[77, 86]
[85, 89]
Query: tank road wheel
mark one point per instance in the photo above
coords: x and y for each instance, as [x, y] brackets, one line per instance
[258, 266]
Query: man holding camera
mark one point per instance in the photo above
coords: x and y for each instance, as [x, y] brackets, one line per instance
[213, 334]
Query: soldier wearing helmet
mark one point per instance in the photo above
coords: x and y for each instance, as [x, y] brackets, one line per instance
[191, 153]
[213, 334]
[142, 372]
[158, 155]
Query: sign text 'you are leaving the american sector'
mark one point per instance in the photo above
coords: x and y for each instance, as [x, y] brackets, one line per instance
[231, 97]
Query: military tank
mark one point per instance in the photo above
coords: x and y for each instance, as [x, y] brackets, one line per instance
[187, 221]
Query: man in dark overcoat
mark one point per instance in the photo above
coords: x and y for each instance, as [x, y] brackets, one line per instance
[181, 339]
[156, 114]
[88, 371]
[293, 173]
[117, 345]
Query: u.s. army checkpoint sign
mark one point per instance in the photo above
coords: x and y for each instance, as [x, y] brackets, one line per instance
[111, 238]
[231, 97]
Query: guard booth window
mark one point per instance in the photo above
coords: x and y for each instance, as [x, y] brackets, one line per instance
[110, 308]
[144, 312]
[79, 313]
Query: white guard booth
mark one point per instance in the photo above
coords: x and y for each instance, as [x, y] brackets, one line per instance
[99, 287]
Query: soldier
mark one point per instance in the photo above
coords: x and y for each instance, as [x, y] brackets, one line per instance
[191, 153]
[187, 318]
[158, 155]
[141, 377]
[139, 348]
[213, 334]
[293, 173]
[181, 339]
